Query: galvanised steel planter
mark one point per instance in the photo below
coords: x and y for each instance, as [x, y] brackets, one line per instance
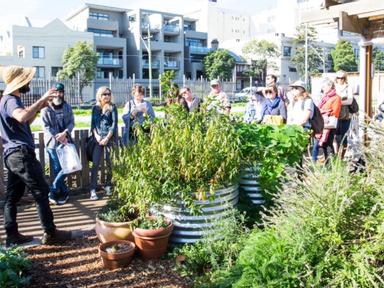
[249, 184]
[189, 228]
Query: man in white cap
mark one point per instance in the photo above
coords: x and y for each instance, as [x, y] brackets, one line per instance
[218, 97]
[20, 159]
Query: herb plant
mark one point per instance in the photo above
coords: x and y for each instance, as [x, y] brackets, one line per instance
[13, 267]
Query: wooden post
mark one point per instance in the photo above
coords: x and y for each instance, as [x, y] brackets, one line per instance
[77, 144]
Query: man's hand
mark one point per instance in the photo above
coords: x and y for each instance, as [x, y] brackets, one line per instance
[48, 96]
[98, 138]
[61, 137]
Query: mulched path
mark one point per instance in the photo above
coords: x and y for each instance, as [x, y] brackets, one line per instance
[77, 264]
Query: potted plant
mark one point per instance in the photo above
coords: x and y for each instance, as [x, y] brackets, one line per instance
[151, 236]
[116, 254]
[114, 221]
[187, 164]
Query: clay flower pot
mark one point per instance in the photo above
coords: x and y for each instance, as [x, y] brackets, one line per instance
[110, 231]
[152, 243]
[155, 232]
[116, 258]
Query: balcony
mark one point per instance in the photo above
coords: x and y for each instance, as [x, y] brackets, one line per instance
[171, 29]
[155, 63]
[102, 24]
[199, 50]
[110, 62]
[152, 28]
[171, 64]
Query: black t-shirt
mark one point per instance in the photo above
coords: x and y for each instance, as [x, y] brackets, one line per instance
[13, 133]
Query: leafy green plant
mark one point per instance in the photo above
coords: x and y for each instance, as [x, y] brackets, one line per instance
[325, 231]
[115, 211]
[184, 158]
[154, 222]
[272, 147]
[215, 251]
[13, 267]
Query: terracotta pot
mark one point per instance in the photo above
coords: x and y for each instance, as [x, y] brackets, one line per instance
[116, 260]
[110, 231]
[152, 247]
[155, 232]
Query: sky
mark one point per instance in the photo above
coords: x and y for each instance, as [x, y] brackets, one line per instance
[40, 12]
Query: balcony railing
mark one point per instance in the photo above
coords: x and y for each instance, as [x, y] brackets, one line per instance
[155, 63]
[172, 64]
[110, 61]
[171, 28]
[199, 50]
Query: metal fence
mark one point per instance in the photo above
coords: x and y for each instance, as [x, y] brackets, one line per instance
[121, 89]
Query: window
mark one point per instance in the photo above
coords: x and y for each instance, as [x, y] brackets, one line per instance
[194, 42]
[55, 70]
[101, 33]
[98, 16]
[20, 51]
[287, 51]
[38, 52]
[40, 72]
[292, 69]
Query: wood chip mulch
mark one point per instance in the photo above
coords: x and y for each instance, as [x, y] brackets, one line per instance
[77, 264]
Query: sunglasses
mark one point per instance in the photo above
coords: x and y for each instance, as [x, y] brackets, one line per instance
[106, 94]
[269, 92]
[340, 78]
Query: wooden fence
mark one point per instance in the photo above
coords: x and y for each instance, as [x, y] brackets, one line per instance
[76, 181]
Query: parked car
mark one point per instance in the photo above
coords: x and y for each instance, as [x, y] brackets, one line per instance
[244, 94]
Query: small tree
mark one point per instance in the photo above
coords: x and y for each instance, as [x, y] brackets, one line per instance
[343, 57]
[262, 55]
[298, 59]
[79, 62]
[378, 59]
[218, 64]
[166, 81]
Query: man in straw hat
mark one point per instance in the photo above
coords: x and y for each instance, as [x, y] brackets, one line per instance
[20, 158]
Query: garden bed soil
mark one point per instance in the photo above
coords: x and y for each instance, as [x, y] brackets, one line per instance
[77, 264]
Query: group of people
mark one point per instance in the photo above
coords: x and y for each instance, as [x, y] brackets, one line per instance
[268, 105]
[297, 107]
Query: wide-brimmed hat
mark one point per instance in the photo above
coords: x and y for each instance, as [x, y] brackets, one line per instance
[215, 82]
[341, 74]
[298, 83]
[16, 77]
[182, 91]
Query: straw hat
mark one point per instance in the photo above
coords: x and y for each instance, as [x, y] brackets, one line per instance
[16, 77]
[298, 83]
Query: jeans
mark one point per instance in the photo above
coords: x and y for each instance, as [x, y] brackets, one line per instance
[24, 170]
[341, 132]
[96, 157]
[58, 182]
[327, 146]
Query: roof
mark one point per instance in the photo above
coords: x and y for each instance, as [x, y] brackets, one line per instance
[94, 6]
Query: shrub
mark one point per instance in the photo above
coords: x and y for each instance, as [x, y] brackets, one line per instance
[13, 267]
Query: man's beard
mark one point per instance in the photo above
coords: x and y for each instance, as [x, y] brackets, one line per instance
[25, 89]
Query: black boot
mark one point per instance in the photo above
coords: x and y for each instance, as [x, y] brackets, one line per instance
[17, 239]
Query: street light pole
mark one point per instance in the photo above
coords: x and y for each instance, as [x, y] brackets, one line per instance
[149, 60]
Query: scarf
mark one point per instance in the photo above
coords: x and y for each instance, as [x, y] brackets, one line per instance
[326, 97]
[269, 105]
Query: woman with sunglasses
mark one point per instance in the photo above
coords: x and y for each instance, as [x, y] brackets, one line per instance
[104, 129]
[345, 91]
[273, 105]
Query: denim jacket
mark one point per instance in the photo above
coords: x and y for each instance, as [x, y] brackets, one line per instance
[104, 122]
[51, 126]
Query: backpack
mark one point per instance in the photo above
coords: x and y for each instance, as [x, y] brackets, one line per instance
[354, 107]
[317, 121]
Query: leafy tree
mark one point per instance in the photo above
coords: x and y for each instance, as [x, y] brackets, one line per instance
[343, 57]
[378, 59]
[314, 61]
[79, 62]
[262, 54]
[218, 64]
[166, 82]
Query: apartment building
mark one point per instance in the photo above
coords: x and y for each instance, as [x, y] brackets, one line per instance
[156, 36]
[196, 48]
[108, 26]
[41, 47]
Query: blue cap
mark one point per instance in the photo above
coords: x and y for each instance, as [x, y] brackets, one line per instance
[59, 86]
